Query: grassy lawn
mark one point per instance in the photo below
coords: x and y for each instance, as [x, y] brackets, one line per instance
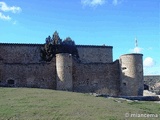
[43, 104]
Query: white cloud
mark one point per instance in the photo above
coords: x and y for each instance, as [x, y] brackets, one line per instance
[5, 8]
[150, 67]
[136, 50]
[92, 3]
[148, 62]
[116, 2]
[3, 17]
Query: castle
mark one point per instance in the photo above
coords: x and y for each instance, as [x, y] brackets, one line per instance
[62, 65]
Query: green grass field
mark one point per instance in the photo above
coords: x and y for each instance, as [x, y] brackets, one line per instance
[43, 104]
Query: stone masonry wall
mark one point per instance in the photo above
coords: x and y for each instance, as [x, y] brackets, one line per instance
[98, 78]
[20, 53]
[30, 53]
[95, 54]
[21, 66]
[39, 75]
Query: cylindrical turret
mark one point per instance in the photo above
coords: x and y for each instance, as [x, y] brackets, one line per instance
[132, 75]
[64, 71]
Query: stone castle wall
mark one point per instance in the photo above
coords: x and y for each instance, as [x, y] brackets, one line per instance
[21, 66]
[39, 75]
[30, 53]
[95, 54]
[94, 71]
[99, 78]
[20, 53]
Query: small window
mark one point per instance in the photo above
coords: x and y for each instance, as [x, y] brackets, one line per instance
[123, 68]
[11, 82]
[124, 84]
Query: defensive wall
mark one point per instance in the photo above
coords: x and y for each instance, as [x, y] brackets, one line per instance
[94, 71]
[97, 78]
[30, 53]
[95, 54]
[22, 63]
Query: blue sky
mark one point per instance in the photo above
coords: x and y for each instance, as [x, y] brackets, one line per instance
[91, 22]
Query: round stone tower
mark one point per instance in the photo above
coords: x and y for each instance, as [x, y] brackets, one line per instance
[131, 75]
[64, 71]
